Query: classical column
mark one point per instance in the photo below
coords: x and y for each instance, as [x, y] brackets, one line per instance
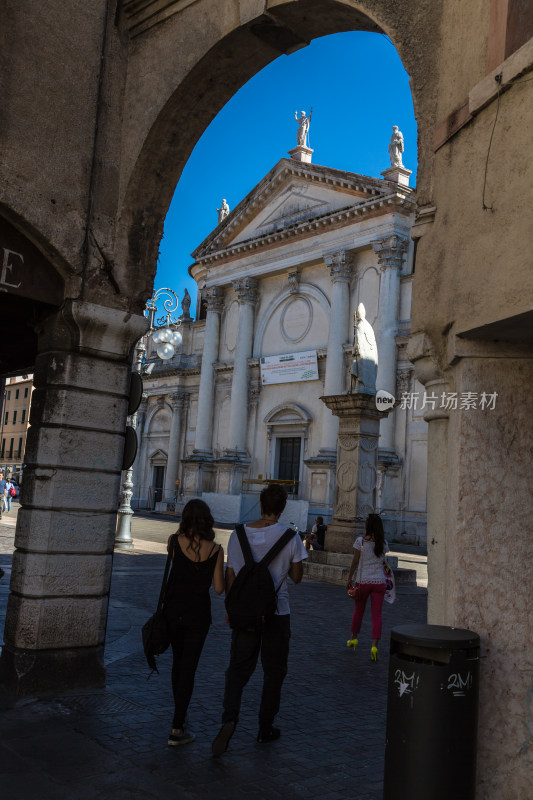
[56, 613]
[179, 402]
[390, 252]
[335, 381]
[204, 422]
[246, 289]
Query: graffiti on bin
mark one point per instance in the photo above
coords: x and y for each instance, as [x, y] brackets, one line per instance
[459, 684]
[406, 684]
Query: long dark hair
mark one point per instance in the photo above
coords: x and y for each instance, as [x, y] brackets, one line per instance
[197, 524]
[374, 529]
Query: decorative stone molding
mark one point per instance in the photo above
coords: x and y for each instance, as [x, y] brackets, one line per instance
[421, 353]
[246, 290]
[254, 390]
[390, 251]
[219, 243]
[294, 281]
[347, 442]
[179, 400]
[403, 381]
[339, 266]
[214, 299]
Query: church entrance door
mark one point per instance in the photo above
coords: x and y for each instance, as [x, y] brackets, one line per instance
[289, 460]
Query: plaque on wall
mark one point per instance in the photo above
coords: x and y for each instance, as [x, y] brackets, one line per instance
[289, 368]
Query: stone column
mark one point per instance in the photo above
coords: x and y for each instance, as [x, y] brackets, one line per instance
[179, 402]
[356, 478]
[57, 609]
[246, 289]
[335, 381]
[206, 393]
[390, 252]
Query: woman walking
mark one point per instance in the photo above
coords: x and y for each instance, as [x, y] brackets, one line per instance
[367, 564]
[196, 563]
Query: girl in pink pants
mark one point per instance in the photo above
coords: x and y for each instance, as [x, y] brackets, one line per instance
[367, 566]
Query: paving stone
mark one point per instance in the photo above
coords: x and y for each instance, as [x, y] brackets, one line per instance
[110, 744]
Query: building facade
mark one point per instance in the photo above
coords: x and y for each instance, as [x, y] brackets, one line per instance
[15, 421]
[279, 281]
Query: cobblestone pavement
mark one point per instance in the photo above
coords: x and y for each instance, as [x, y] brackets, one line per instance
[111, 743]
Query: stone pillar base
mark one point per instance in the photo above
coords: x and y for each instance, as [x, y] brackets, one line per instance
[341, 534]
[30, 671]
[301, 153]
[398, 175]
[356, 476]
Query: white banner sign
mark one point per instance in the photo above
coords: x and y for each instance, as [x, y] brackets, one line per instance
[289, 368]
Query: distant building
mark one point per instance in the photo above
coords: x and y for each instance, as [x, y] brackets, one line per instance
[279, 280]
[15, 421]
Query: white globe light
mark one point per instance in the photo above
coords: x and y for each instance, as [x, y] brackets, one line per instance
[176, 338]
[165, 350]
[155, 337]
[163, 335]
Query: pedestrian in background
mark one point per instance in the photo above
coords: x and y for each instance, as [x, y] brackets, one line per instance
[3, 483]
[317, 536]
[9, 485]
[367, 565]
[196, 563]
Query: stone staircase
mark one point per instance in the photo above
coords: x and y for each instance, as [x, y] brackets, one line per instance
[333, 568]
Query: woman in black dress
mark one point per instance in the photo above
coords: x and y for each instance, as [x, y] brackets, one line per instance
[196, 563]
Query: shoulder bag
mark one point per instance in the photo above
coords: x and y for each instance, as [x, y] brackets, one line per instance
[355, 591]
[155, 635]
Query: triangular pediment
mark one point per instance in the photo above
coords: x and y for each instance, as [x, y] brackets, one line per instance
[291, 193]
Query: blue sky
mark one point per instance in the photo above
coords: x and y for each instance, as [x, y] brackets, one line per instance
[358, 89]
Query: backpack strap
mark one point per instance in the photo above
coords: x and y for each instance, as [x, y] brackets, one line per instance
[278, 547]
[172, 546]
[245, 545]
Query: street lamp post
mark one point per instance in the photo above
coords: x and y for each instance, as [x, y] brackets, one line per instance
[165, 334]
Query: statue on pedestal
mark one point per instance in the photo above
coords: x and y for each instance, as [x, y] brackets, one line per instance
[223, 211]
[365, 355]
[303, 127]
[396, 147]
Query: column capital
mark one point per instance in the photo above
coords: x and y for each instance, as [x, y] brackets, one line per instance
[340, 268]
[214, 299]
[246, 289]
[390, 251]
[178, 399]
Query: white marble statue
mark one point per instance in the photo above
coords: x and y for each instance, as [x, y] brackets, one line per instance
[223, 211]
[365, 355]
[396, 147]
[303, 127]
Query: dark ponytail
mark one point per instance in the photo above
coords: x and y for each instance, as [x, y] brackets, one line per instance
[374, 529]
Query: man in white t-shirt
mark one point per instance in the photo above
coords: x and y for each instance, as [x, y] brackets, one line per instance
[273, 640]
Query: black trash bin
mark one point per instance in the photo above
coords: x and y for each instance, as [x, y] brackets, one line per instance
[432, 713]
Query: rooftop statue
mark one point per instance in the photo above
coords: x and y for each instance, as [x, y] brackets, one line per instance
[186, 304]
[365, 355]
[303, 127]
[396, 147]
[223, 211]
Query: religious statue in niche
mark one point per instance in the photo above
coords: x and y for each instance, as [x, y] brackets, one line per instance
[365, 355]
[303, 127]
[186, 305]
[396, 147]
[223, 211]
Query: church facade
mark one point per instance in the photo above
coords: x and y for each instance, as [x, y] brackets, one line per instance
[279, 281]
